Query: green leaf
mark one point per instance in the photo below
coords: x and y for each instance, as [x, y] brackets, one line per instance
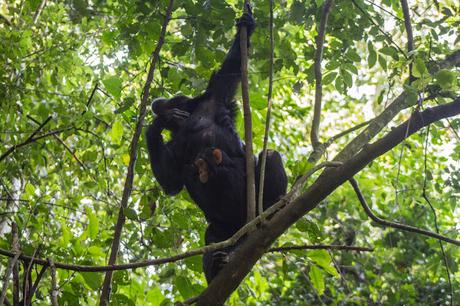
[116, 133]
[445, 78]
[258, 100]
[121, 300]
[412, 95]
[353, 55]
[155, 296]
[347, 78]
[30, 189]
[297, 11]
[92, 279]
[184, 287]
[324, 260]
[130, 213]
[372, 58]
[419, 69]
[65, 237]
[93, 226]
[351, 68]
[317, 279]
[113, 86]
[329, 78]
[339, 84]
[382, 62]
[97, 251]
[390, 51]
[127, 102]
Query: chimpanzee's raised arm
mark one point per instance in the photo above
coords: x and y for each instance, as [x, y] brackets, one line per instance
[223, 83]
[165, 167]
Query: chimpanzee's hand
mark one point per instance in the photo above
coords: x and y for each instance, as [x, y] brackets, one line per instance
[175, 116]
[207, 162]
[247, 20]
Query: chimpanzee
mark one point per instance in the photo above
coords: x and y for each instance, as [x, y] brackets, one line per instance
[206, 154]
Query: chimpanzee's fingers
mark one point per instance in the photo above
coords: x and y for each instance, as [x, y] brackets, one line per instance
[249, 8]
[182, 113]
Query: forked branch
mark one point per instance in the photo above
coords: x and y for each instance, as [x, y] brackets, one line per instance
[318, 74]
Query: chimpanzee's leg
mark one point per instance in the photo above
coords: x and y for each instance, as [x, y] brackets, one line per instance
[275, 181]
[214, 261]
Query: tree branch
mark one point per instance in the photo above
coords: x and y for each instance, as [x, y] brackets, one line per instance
[54, 292]
[27, 279]
[320, 247]
[6, 278]
[410, 35]
[318, 75]
[36, 283]
[106, 287]
[263, 160]
[17, 250]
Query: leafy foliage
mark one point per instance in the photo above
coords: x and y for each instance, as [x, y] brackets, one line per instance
[63, 191]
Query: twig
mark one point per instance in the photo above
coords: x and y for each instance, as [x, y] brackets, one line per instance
[90, 99]
[39, 128]
[346, 132]
[27, 283]
[410, 35]
[400, 162]
[29, 141]
[384, 9]
[250, 174]
[425, 196]
[39, 11]
[319, 151]
[106, 287]
[190, 301]
[400, 226]
[54, 291]
[6, 278]
[318, 74]
[16, 250]
[389, 38]
[321, 247]
[263, 160]
[36, 283]
[61, 141]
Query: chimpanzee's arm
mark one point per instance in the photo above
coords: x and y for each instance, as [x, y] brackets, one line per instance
[223, 83]
[165, 166]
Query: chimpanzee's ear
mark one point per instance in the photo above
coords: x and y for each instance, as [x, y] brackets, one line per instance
[156, 104]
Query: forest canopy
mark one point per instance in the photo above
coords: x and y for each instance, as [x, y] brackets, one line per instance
[364, 103]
